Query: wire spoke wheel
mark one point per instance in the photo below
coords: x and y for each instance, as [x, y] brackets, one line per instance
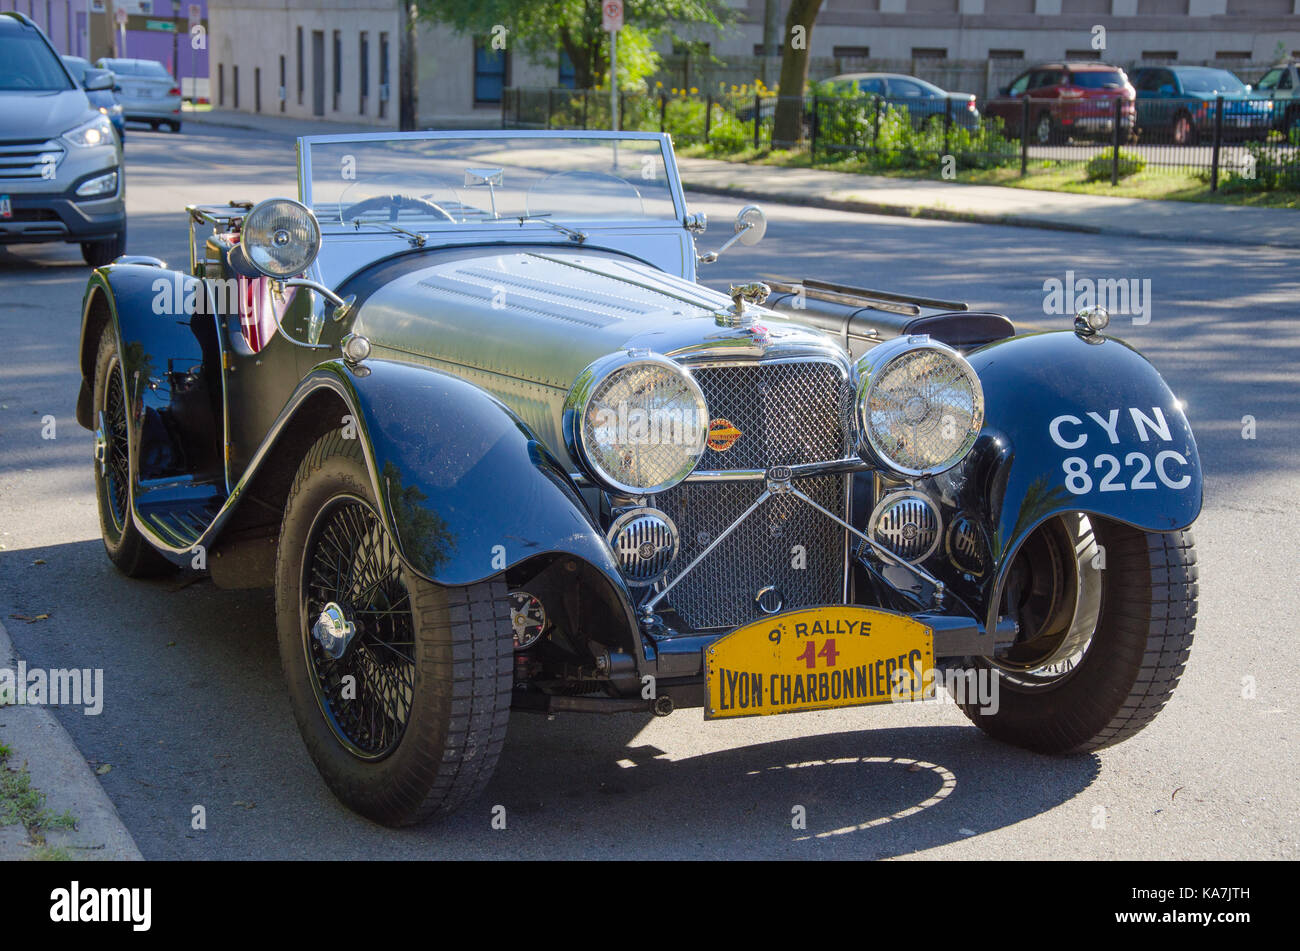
[114, 467]
[366, 693]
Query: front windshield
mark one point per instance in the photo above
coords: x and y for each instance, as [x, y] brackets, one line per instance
[27, 65]
[1211, 80]
[425, 182]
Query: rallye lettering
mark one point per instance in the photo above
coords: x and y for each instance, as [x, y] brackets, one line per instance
[750, 690]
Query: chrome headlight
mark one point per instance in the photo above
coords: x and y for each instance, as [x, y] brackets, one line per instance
[280, 238]
[636, 422]
[920, 406]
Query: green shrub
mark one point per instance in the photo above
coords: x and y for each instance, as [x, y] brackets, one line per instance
[1100, 165]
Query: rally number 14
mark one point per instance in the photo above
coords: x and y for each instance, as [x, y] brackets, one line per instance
[810, 653]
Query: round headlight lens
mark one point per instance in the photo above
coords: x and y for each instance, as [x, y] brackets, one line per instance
[920, 406]
[636, 423]
[281, 237]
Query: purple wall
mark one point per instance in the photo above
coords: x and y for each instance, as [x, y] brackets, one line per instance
[64, 22]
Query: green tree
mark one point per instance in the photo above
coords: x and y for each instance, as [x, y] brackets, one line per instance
[794, 70]
[541, 28]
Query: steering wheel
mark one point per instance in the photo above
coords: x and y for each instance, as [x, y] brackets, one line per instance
[394, 204]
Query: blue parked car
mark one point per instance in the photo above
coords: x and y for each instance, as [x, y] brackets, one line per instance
[105, 100]
[1179, 101]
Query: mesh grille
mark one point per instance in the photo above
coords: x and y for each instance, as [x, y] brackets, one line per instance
[720, 592]
[786, 413]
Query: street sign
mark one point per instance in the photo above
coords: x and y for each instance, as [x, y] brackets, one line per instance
[611, 15]
[119, 14]
[196, 15]
[166, 26]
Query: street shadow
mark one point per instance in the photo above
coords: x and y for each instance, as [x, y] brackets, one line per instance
[195, 714]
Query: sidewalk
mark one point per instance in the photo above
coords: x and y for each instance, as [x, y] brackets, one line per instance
[39, 743]
[1188, 222]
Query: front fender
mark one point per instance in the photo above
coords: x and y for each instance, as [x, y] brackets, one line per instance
[1073, 423]
[465, 488]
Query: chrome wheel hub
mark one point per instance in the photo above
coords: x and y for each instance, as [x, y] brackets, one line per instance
[101, 445]
[333, 630]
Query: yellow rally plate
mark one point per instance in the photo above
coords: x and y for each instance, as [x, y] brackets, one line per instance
[817, 659]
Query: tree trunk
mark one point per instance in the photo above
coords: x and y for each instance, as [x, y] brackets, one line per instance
[794, 71]
[407, 81]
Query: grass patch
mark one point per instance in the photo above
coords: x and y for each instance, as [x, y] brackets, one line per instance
[1151, 183]
[22, 803]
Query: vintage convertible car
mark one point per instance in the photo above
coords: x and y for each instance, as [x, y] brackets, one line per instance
[465, 406]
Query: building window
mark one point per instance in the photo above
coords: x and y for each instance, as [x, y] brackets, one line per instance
[385, 87]
[364, 61]
[491, 72]
[257, 88]
[301, 69]
[851, 52]
[1006, 54]
[1160, 56]
[234, 84]
[1083, 54]
[567, 79]
[338, 68]
[929, 52]
[1238, 55]
[221, 84]
[282, 92]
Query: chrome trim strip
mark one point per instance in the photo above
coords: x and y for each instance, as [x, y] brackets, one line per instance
[801, 470]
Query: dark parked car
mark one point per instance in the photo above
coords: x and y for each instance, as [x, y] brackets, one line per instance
[60, 160]
[472, 417]
[1178, 104]
[923, 100]
[103, 99]
[1067, 100]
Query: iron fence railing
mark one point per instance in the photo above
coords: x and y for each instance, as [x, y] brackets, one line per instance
[1250, 141]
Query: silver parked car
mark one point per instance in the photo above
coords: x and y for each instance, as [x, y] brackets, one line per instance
[149, 93]
[60, 163]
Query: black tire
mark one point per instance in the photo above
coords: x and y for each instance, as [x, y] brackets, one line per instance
[175, 127]
[445, 705]
[125, 546]
[1131, 665]
[100, 253]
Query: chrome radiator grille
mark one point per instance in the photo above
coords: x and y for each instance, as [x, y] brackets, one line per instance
[762, 551]
[785, 413]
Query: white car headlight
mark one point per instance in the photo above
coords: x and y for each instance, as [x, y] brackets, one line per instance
[636, 422]
[98, 131]
[920, 406]
[99, 185]
[280, 238]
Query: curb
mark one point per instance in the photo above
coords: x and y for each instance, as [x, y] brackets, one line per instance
[59, 770]
[905, 211]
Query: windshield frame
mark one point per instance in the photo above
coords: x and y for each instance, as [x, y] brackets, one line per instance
[305, 143]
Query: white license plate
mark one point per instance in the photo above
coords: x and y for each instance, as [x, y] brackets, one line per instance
[6, 207]
[144, 92]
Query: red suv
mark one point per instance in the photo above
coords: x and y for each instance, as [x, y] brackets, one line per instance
[1068, 99]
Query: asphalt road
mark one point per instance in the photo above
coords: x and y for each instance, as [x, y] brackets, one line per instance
[195, 712]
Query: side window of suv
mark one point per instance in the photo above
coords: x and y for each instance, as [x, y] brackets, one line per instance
[1284, 81]
[1269, 80]
[1020, 85]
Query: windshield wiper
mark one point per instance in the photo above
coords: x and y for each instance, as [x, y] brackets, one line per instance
[577, 236]
[417, 240]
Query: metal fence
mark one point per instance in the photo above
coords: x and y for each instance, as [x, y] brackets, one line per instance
[1242, 142]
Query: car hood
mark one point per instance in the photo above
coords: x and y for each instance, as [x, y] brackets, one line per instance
[523, 323]
[42, 115]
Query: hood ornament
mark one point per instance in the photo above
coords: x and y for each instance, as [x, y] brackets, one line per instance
[742, 294]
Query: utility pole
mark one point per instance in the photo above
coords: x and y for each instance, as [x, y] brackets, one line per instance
[408, 90]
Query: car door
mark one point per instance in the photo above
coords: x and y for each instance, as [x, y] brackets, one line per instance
[1007, 106]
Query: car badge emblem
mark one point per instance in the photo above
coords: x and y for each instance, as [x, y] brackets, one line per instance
[722, 435]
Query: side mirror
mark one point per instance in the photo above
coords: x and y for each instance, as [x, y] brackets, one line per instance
[751, 225]
[97, 79]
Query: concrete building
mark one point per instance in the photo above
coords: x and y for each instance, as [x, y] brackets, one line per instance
[338, 59]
